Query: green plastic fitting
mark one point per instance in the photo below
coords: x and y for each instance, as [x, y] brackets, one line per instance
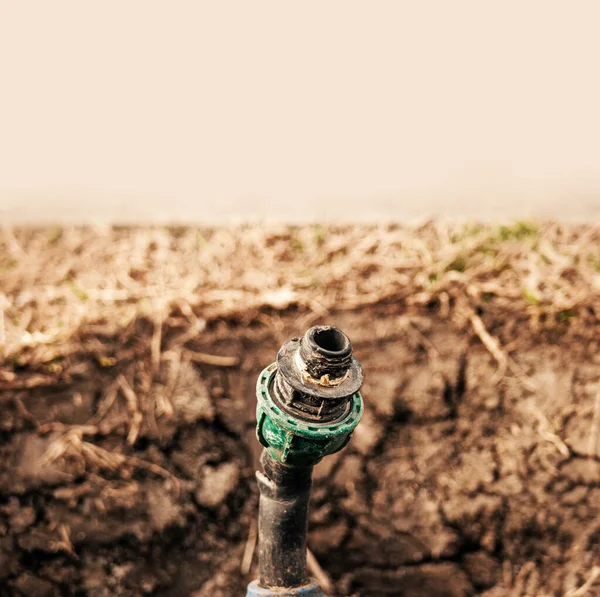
[308, 401]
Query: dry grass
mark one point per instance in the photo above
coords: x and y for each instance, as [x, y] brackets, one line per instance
[54, 281]
[72, 445]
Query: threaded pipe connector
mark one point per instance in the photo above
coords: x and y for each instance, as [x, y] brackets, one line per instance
[309, 400]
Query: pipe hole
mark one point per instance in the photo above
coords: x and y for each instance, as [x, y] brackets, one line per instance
[331, 339]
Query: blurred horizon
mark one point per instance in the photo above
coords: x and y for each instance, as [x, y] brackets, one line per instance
[198, 112]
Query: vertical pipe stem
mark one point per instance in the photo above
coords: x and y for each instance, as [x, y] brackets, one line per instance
[283, 523]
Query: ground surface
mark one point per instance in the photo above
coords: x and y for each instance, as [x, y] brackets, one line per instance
[127, 446]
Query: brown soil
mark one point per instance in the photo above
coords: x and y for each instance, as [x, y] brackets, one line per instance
[127, 460]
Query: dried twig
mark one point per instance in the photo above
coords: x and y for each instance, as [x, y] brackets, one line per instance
[4, 303]
[586, 586]
[105, 404]
[72, 443]
[594, 428]
[249, 549]
[212, 359]
[133, 408]
[315, 569]
[155, 343]
[545, 431]
[65, 542]
[29, 383]
[521, 578]
[494, 347]
[24, 412]
[490, 342]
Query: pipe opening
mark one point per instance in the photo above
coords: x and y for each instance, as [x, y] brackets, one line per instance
[331, 339]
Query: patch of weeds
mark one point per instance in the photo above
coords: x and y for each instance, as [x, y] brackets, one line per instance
[487, 297]
[433, 278]
[518, 231]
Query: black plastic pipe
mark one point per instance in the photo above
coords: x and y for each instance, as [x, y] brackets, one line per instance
[283, 523]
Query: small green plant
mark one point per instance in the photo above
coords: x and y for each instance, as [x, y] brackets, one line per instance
[518, 231]
[530, 296]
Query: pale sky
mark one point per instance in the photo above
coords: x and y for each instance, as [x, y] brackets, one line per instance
[210, 111]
